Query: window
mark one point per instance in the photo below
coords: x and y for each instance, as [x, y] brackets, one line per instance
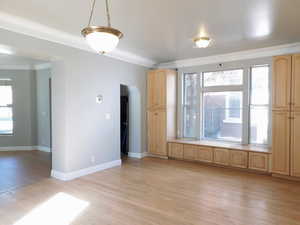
[190, 90]
[259, 105]
[6, 109]
[226, 112]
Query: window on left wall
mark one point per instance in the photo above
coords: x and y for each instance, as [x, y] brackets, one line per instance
[6, 107]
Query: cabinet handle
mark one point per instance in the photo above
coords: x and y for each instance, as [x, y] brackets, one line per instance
[291, 118]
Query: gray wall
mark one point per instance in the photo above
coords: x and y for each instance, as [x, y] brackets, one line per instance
[43, 107]
[24, 105]
[31, 108]
[80, 129]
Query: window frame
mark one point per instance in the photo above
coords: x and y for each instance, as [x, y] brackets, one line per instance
[9, 82]
[245, 88]
[268, 106]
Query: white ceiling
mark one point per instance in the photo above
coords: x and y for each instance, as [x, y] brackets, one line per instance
[162, 30]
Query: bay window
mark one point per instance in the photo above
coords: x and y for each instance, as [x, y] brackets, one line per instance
[230, 105]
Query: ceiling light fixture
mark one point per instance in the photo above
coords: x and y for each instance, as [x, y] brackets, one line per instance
[202, 42]
[100, 38]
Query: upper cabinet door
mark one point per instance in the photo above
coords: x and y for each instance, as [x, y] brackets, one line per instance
[295, 103]
[282, 77]
[157, 89]
[281, 142]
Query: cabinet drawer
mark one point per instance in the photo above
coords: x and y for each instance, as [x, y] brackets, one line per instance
[238, 159]
[189, 152]
[259, 161]
[221, 156]
[204, 154]
[175, 150]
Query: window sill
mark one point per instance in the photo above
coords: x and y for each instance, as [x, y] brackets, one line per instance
[227, 145]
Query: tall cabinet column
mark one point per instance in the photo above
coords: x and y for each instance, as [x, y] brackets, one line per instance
[286, 115]
[161, 110]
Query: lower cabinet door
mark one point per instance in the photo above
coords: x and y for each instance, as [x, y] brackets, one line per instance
[157, 140]
[204, 154]
[175, 150]
[238, 159]
[189, 152]
[295, 144]
[221, 156]
[259, 161]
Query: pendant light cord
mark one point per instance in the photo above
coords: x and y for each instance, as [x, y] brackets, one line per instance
[92, 13]
[107, 13]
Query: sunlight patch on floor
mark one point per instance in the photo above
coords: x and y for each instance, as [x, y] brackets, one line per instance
[61, 209]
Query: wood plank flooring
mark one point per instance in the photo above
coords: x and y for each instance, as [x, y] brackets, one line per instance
[21, 168]
[165, 192]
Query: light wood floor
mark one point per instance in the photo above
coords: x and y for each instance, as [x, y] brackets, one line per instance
[166, 192]
[22, 168]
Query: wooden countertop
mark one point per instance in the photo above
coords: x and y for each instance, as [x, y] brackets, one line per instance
[219, 144]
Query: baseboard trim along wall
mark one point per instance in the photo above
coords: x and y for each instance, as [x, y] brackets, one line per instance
[43, 148]
[137, 155]
[83, 172]
[25, 148]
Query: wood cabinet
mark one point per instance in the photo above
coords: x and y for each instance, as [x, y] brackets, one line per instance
[286, 115]
[281, 142]
[282, 67]
[238, 159]
[295, 102]
[295, 144]
[157, 89]
[204, 154]
[189, 152]
[175, 150]
[258, 161]
[221, 156]
[157, 133]
[161, 110]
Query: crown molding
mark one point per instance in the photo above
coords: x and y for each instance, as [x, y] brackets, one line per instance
[235, 56]
[16, 67]
[40, 31]
[42, 66]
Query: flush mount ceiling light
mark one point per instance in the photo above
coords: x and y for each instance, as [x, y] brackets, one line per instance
[100, 38]
[202, 42]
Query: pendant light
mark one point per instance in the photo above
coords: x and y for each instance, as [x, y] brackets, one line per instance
[202, 42]
[102, 39]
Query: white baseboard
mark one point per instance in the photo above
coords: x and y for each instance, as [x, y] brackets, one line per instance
[83, 172]
[43, 148]
[25, 148]
[17, 148]
[137, 155]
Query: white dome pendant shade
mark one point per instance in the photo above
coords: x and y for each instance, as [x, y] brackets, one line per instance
[99, 38]
[102, 39]
[202, 42]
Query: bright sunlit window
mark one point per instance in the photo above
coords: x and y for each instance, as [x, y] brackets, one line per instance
[259, 105]
[216, 105]
[61, 209]
[6, 107]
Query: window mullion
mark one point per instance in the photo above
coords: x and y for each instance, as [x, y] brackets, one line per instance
[246, 108]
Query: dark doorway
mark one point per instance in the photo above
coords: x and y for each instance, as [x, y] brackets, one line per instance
[124, 125]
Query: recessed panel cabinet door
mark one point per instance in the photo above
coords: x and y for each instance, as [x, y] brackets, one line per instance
[282, 76]
[151, 83]
[160, 132]
[156, 85]
[295, 102]
[281, 142]
[152, 137]
[295, 144]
